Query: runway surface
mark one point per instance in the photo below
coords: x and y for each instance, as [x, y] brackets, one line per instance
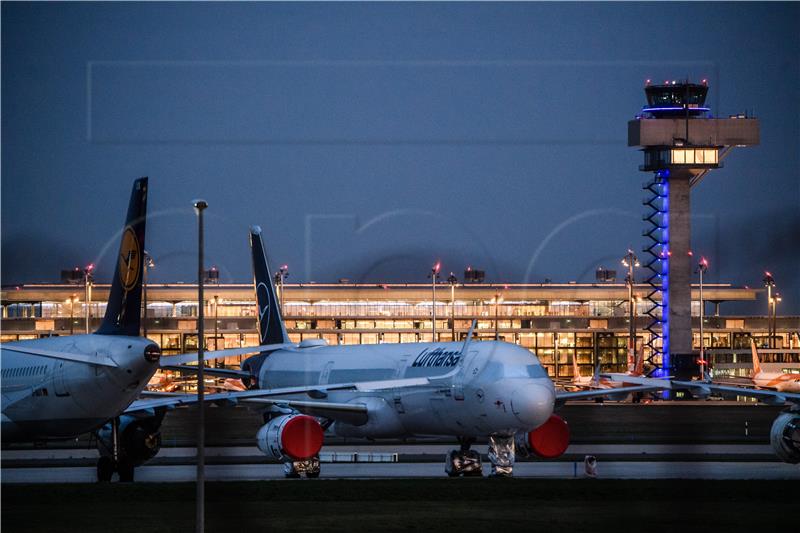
[250, 472]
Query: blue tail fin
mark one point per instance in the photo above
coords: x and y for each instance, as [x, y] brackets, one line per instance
[123, 314]
[271, 329]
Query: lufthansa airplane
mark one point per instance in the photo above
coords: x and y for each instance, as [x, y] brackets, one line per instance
[61, 387]
[467, 390]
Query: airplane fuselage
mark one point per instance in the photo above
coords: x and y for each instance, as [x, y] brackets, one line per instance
[493, 388]
[49, 398]
[779, 381]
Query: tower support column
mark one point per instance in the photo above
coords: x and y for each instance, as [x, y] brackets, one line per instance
[679, 306]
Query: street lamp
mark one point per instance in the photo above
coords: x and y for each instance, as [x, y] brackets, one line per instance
[702, 266]
[148, 264]
[631, 261]
[199, 207]
[775, 301]
[220, 362]
[88, 280]
[497, 300]
[434, 275]
[280, 276]
[452, 280]
[769, 283]
[72, 300]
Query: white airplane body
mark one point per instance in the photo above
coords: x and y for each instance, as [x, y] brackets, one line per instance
[53, 398]
[60, 387]
[458, 389]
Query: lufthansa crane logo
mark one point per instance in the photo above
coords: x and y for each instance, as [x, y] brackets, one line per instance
[129, 262]
[263, 298]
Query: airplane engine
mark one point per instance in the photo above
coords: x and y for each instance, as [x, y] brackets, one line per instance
[290, 437]
[785, 437]
[548, 441]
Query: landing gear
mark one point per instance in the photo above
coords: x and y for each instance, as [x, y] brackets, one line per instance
[501, 454]
[309, 467]
[463, 462]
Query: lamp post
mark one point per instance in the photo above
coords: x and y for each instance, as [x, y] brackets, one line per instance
[630, 260]
[87, 288]
[199, 206]
[72, 301]
[452, 280]
[218, 363]
[769, 282]
[434, 275]
[280, 276]
[148, 264]
[702, 266]
[775, 301]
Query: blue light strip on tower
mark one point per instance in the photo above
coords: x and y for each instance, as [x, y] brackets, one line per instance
[665, 355]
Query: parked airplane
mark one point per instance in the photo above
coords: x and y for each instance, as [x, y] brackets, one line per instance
[779, 381]
[61, 387]
[785, 431]
[603, 382]
[467, 390]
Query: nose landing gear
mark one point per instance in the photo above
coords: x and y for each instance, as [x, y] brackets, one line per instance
[309, 467]
[502, 456]
[463, 462]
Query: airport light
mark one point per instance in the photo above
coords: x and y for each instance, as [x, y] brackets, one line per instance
[72, 300]
[702, 266]
[769, 283]
[280, 277]
[88, 281]
[631, 261]
[775, 301]
[148, 263]
[452, 280]
[199, 207]
[434, 275]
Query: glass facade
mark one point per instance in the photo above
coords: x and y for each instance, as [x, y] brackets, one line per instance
[558, 322]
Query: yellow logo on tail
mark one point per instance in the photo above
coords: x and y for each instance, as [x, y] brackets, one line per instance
[129, 260]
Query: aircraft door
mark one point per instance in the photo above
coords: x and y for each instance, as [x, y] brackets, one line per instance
[468, 371]
[60, 381]
[397, 397]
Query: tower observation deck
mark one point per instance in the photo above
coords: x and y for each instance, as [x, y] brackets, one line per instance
[681, 142]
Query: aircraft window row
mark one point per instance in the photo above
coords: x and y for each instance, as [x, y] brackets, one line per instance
[24, 371]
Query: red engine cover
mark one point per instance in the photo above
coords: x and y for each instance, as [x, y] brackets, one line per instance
[301, 437]
[551, 439]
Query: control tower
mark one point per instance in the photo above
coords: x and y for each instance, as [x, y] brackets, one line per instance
[681, 142]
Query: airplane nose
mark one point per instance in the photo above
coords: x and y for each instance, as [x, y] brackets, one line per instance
[532, 404]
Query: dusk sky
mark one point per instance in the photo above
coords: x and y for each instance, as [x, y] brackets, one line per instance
[370, 140]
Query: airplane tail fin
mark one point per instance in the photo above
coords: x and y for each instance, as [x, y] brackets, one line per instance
[123, 313]
[576, 373]
[756, 362]
[271, 328]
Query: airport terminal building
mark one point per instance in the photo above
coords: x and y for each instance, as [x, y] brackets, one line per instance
[555, 321]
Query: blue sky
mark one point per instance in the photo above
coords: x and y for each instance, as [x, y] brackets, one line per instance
[370, 140]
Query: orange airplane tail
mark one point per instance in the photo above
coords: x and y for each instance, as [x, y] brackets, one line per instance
[756, 362]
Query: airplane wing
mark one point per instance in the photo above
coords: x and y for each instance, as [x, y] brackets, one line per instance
[287, 398]
[95, 359]
[563, 397]
[221, 354]
[704, 388]
[766, 396]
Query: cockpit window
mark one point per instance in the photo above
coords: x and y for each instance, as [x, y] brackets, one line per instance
[536, 371]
